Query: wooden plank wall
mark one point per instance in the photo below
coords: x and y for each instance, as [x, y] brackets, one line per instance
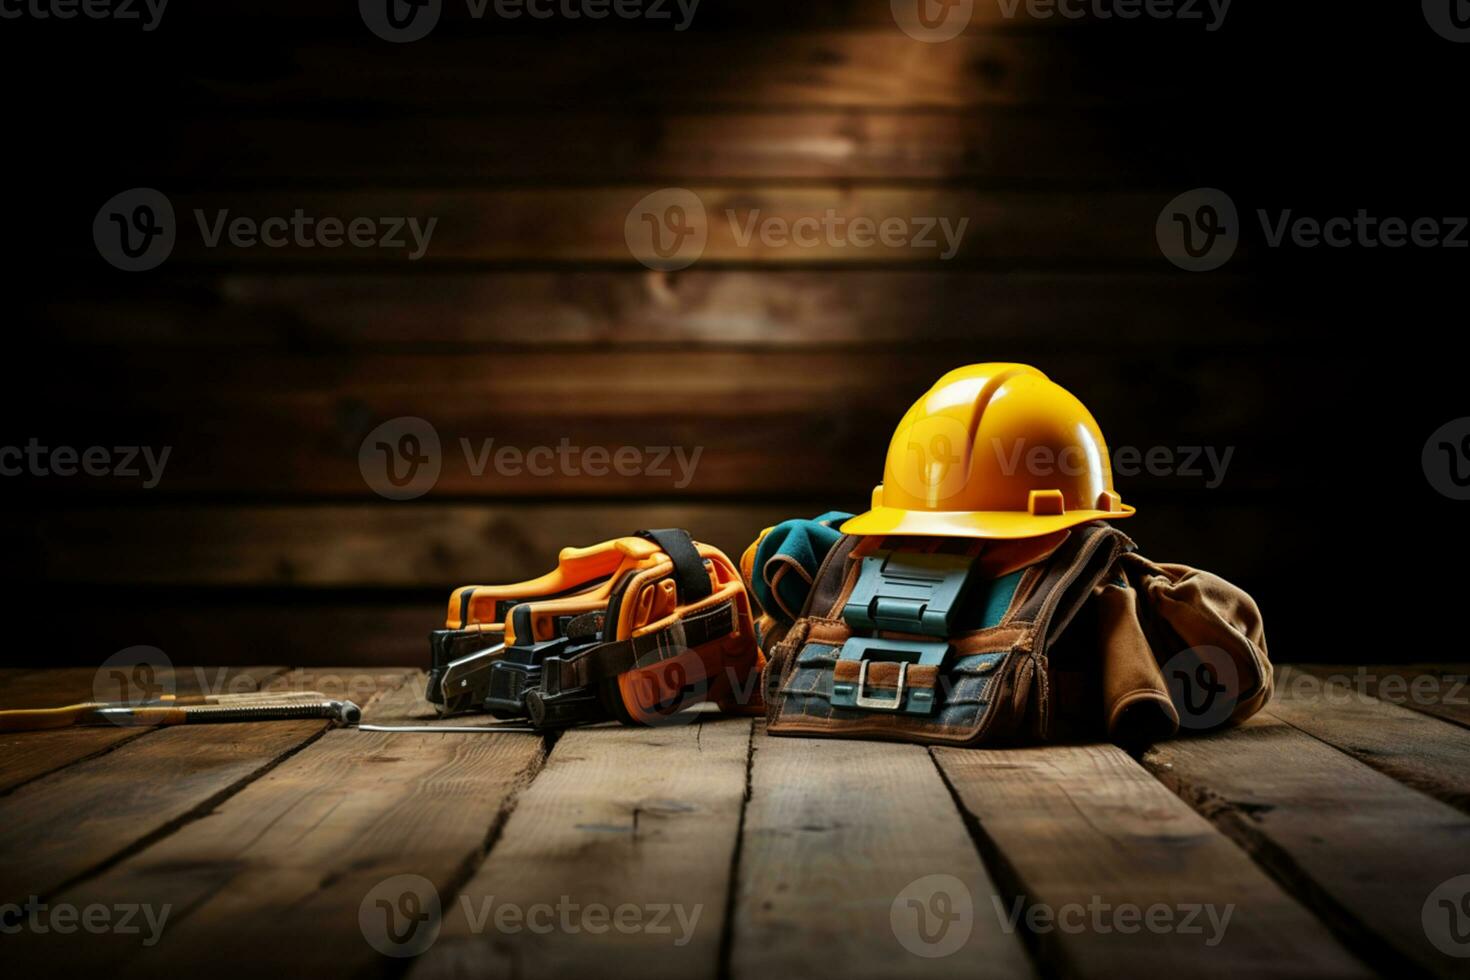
[529, 322]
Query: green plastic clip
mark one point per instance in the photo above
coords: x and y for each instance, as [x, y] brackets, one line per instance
[909, 593]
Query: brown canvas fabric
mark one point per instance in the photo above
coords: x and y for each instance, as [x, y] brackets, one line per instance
[1160, 628]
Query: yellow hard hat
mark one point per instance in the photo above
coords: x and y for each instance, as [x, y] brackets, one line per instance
[993, 451]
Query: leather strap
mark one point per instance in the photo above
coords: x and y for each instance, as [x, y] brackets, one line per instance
[607, 660]
[690, 577]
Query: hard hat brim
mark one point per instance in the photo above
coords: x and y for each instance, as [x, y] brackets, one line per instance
[998, 524]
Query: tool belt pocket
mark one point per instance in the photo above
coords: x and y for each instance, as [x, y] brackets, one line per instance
[881, 688]
[917, 652]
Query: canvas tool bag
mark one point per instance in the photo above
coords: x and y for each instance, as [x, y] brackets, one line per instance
[934, 640]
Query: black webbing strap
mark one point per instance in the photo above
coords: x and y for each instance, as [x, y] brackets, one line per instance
[690, 578]
[608, 660]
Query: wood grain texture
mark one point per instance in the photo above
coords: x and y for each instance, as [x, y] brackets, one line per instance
[293, 600]
[438, 547]
[515, 18]
[321, 834]
[1414, 748]
[267, 425]
[327, 630]
[380, 546]
[787, 310]
[1439, 690]
[1084, 832]
[1028, 145]
[71, 823]
[839, 836]
[776, 224]
[25, 756]
[618, 818]
[877, 68]
[46, 687]
[1361, 849]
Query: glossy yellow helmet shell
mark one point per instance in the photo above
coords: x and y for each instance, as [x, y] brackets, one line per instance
[993, 451]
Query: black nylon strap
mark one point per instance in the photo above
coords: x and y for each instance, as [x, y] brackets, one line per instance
[607, 660]
[690, 578]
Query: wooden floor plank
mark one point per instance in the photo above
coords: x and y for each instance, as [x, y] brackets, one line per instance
[25, 756]
[1441, 690]
[1412, 747]
[1362, 849]
[641, 823]
[318, 834]
[839, 838]
[31, 755]
[69, 823]
[1086, 834]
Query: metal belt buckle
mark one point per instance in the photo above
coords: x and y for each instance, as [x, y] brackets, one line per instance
[862, 699]
[906, 699]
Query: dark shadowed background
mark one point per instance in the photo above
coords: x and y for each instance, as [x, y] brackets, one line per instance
[1322, 370]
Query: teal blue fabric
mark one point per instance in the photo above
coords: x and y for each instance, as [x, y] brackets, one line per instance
[803, 543]
[998, 599]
